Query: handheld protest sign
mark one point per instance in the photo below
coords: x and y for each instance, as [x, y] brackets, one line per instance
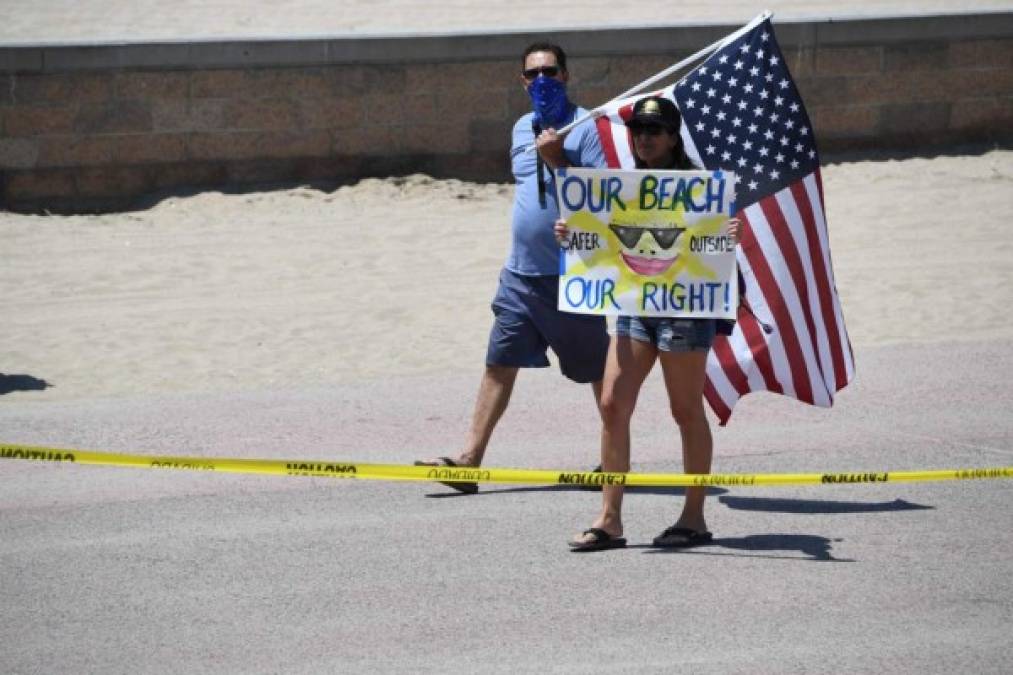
[647, 243]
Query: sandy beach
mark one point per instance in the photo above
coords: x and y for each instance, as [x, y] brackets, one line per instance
[303, 287]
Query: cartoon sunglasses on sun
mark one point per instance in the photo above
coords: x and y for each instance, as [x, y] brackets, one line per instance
[646, 250]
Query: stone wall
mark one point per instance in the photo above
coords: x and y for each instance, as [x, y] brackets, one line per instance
[96, 126]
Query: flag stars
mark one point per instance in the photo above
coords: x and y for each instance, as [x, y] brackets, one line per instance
[743, 111]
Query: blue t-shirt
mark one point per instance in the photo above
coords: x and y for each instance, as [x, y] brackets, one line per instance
[533, 248]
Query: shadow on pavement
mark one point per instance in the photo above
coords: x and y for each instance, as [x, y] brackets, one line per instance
[9, 383]
[778, 505]
[815, 547]
[668, 491]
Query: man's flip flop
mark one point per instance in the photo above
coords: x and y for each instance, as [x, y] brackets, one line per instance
[465, 487]
[600, 541]
[682, 537]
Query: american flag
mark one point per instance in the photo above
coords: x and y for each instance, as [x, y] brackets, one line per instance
[741, 112]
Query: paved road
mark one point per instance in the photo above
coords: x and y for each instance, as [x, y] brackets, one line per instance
[119, 20]
[130, 571]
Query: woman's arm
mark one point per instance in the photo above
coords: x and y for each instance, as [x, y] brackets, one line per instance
[735, 229]
[561, 231]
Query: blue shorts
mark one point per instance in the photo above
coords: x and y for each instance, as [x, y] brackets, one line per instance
[527, 323]
[669, 334]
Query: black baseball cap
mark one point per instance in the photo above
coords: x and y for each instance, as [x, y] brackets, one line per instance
[655, 110]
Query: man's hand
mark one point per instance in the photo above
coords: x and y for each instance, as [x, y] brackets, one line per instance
[550, 147]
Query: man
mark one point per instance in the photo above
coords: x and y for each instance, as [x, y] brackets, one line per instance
[526, 319]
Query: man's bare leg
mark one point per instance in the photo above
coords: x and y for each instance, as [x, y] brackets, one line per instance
[493, 398]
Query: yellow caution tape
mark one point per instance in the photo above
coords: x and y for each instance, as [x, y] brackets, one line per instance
[358, 470]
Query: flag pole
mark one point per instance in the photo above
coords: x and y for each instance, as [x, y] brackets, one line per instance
[597, 112]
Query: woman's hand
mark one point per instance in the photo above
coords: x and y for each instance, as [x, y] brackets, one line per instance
[561, 231]
[735, 230]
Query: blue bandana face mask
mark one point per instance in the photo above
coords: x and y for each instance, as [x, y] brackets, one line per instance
[548, 98]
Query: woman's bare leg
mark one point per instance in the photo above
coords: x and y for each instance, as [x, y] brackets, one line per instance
[685, 373]
[627, 365]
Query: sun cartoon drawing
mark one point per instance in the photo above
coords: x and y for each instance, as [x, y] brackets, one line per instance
[648, 250]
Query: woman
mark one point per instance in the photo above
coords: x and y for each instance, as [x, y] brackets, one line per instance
[681, 345]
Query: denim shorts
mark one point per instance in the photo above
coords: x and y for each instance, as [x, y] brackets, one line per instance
[668, 334]
[527, 323]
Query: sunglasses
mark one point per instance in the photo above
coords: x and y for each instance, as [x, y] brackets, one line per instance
[547, 71]
[629, 235]
[647, 130]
